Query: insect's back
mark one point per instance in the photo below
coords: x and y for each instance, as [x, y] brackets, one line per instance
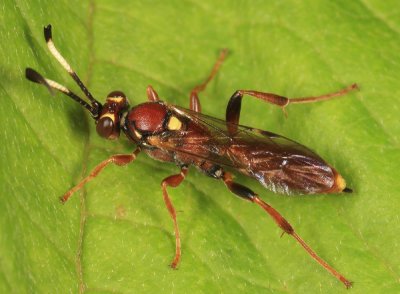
[280, 164]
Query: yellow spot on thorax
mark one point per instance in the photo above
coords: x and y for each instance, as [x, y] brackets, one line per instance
[174, 124]
[138, 135]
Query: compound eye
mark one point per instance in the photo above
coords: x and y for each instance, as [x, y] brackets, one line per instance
[105, 127]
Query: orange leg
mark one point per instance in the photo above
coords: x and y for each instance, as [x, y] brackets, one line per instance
[249, 195]
[118, 159]
[235, 102]
[194, 95]
[174, 181]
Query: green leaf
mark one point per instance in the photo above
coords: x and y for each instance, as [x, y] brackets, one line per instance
[116, 236]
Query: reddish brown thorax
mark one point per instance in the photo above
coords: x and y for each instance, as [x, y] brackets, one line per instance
[147, 118]
[108, 124]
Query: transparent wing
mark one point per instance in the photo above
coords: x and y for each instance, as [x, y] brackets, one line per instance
[280, 164]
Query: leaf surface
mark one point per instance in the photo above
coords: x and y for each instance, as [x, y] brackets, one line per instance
[116, 235]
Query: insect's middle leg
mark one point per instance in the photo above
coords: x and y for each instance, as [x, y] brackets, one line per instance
[235, 102]
[174, 181]
[247, 194]
[194, 95]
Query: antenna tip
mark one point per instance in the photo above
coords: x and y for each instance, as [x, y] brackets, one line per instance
[47, 32]
[33, 75]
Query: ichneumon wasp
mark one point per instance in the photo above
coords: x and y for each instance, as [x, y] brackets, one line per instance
[187, 137]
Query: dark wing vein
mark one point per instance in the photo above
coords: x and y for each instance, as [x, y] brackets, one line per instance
[280, 164]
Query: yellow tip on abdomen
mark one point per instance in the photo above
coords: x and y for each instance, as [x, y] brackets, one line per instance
[340, 183]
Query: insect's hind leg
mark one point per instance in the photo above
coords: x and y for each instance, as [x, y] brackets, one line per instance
[235, 102]
[249, 195]
[194, 94]
[174, 181]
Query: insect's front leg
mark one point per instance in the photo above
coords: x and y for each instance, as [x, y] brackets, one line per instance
[235, 102]
[247, 194]
[174, 181]
[118, 159]
[194, 95]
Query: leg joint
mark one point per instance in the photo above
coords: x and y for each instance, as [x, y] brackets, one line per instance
[237, 94]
